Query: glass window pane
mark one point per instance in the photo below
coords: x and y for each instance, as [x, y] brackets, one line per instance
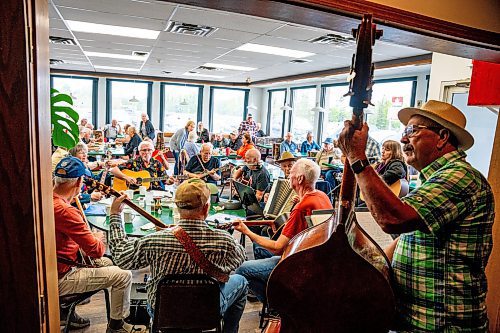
[389, 98]
[276, 120]
[80, 90]
[303, 118]
[180, 105]
[228, 106]
[129, 101]
[337, 110]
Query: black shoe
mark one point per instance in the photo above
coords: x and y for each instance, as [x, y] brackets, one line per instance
[251, 297]
[75, 322]
[85, 301]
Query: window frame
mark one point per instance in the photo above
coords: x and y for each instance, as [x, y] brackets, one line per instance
[95, 91]
[199, 111]
[211, 104]
[109, 96]
[291, 112]
[269, 99]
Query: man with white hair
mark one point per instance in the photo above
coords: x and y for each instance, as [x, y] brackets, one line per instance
[112, 130]
[204, 165]
[303, 177]
[146, 128]
[144, 162]
[73, 234]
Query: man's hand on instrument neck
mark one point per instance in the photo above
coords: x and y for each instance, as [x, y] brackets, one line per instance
[117, 205]
[353, 142]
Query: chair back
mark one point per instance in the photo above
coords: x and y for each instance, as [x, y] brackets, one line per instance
[187, 302]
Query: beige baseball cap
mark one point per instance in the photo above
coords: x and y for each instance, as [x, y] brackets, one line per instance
[192, 193]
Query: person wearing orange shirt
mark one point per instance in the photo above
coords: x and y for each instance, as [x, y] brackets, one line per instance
[246, 139]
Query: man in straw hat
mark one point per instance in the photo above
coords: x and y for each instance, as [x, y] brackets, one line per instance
[439, 260]
[164, 254]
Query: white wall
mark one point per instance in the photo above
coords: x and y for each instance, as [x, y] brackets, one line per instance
[447, 68]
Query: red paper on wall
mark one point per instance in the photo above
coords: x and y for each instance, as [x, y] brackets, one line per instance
[485, 84]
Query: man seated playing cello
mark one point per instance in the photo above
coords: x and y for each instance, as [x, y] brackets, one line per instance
[204, 165]
[303, 177]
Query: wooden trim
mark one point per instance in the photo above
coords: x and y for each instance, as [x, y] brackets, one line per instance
[400, 27]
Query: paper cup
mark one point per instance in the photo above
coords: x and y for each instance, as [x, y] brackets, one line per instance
[108, 210]
[130, 194]
[142, 190]
[128, 217]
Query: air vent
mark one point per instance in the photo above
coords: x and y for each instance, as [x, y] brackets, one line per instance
[332, 39]
[140, 53]
[299, 61]
[56, 61]
[62, 40]
[189, 29]
[209, 68]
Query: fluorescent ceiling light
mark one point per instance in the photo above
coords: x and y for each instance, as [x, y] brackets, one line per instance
[116, 30]
[233, 67]
[114, 55]
[118, 68]
[203, 75]
[279, 51]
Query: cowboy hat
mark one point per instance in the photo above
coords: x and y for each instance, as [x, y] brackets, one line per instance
[445, 115]
[286, 156]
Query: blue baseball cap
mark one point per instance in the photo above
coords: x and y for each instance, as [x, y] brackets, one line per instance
[328, 140]
[71, 167]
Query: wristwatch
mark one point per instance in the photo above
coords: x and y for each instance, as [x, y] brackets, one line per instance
[359, 165]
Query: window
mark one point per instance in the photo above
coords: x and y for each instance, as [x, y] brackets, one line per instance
[84, 93]
[336, 109]
[227, 108]
[127, 100]
[388, 96]
[303, 100]
[276, 101]
[180, 103]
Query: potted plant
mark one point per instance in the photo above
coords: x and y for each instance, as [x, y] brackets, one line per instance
[65, 131]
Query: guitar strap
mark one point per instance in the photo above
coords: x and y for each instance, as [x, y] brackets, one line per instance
[198, 256]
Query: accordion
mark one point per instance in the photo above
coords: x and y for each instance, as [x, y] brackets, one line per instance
[280, 199]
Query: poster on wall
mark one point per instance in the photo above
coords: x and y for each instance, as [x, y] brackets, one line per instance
[397, 101]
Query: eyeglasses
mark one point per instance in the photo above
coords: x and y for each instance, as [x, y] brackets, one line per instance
[410, 130]
[146, 150]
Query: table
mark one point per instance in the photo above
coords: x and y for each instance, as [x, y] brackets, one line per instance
[117, 151]
[267, 147]
[134, 229]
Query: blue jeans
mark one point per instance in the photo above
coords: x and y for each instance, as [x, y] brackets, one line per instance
[233, 296]
[260, 252]
[176, 158]
[257, 273]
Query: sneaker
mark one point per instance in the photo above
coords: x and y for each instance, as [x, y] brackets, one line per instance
[126, 328]
[75, 322]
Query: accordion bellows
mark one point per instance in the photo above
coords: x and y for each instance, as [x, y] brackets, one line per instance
[280, 199]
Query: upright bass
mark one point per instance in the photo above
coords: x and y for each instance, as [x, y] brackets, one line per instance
[333, 277]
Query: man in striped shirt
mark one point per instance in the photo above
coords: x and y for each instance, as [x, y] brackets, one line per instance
[164, 254]
[439, 260]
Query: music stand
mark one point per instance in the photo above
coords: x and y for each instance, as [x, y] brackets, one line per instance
[248, 198]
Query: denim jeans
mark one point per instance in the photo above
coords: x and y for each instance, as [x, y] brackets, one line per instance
[176, 159]
[260, 252]
[257, 273]
[233, 296]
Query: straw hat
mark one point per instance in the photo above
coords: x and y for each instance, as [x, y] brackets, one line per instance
[444, 114]
[286, 156]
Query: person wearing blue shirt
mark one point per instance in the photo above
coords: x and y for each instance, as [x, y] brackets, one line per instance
[288, 144]
[309, 144]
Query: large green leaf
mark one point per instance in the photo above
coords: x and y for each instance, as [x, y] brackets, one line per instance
[65, 132]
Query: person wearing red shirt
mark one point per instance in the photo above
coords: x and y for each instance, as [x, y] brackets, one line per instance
[303, 177]
[246, 139]
[74, 240]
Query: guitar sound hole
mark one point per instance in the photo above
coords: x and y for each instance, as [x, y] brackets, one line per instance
[136, 185]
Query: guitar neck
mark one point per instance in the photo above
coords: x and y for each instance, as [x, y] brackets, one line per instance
[108, 190]
[154, 179]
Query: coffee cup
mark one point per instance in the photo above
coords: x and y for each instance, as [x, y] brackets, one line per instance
[142, 190]
[108, 210]
[128, 216]
[130, 194]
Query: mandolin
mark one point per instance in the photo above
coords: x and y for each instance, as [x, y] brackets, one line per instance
[108, 190]
[142, 178]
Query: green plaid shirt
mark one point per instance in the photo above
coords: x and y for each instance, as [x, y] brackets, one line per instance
[165, 255]
[439, 275]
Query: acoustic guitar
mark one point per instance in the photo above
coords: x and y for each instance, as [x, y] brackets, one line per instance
[274, 230]
[395, 188]
[142, 178]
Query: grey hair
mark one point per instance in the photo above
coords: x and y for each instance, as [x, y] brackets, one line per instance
[207, 144]
[309, 169]
[59, 180]
[192, 137]
[144, 143]
[80, 147]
